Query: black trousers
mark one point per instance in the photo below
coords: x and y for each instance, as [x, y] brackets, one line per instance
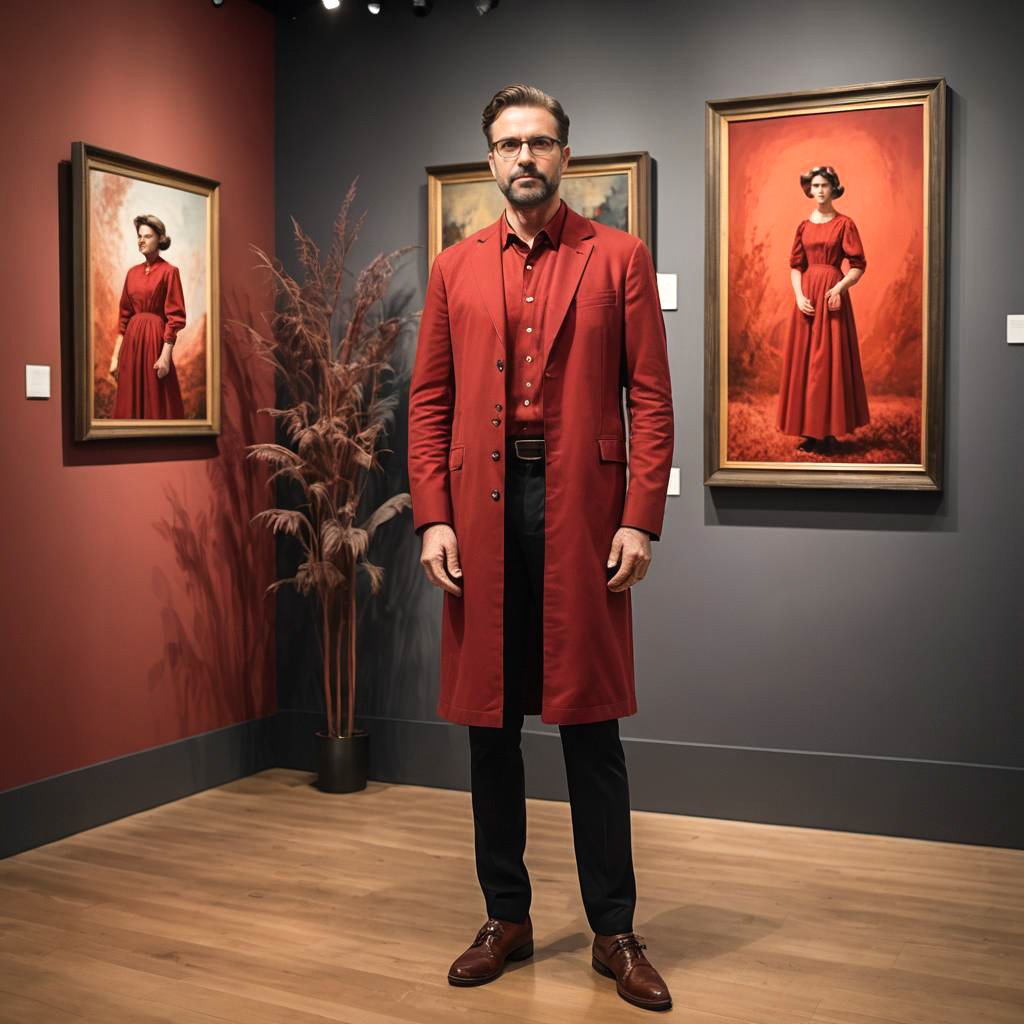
[595, 765]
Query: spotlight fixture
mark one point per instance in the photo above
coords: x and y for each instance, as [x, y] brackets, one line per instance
[421, 8]
[483, 6]
[217, 3]
[331, 5]
[373, 8]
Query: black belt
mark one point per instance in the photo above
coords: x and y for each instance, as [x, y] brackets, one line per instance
[528, 448]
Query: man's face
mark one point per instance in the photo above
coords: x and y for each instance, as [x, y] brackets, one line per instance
[527, 180]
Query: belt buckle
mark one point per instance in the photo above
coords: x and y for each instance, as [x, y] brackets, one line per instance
[529, 440]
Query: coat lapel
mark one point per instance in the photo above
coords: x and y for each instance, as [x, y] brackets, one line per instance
[572, 256]
[487, 268]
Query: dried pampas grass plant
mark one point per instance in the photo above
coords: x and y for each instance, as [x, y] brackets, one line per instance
[331, 355]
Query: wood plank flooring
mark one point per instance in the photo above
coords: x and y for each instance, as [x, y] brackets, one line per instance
[266, 901]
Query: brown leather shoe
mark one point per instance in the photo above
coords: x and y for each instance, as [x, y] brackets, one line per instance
[496, 942]
[621, 957]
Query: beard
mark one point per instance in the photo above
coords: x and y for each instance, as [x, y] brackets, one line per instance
[535, 193]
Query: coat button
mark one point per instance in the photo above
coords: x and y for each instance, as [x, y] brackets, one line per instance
[497, 405]
[495, 495]
[495, 455]
[496, 421]
[501, 364]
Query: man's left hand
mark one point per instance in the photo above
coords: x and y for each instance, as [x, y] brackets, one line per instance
[631, 548]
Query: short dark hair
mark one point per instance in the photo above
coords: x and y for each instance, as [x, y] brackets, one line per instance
[826, 171]
[520, 95]
[164, 239]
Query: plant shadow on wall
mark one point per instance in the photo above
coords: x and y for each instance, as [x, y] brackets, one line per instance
[338, 393]
[218, 655]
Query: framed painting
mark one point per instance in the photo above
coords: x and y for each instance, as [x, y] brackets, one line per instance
[615, 190]
[825, 288]
[147, 298]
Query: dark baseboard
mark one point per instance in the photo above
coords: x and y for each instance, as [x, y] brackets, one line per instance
[949, 802]
[945, 801]
[41, 812]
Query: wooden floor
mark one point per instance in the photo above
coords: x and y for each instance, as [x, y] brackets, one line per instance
[268, 902]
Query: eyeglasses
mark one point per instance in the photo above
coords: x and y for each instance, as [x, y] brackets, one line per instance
[538, 145]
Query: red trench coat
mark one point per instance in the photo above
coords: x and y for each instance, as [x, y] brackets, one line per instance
[602, 330]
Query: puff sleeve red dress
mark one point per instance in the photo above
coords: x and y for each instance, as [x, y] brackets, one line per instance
[152, 312]
[822, 389]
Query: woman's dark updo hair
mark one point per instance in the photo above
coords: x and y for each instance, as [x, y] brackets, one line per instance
[163, 239]
[827, 172]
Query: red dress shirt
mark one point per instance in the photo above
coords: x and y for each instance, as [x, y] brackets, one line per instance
[527, 275]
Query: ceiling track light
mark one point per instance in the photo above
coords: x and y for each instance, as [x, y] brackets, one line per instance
[486, 6]
[374, 7]
[331, 5]
[421, 8]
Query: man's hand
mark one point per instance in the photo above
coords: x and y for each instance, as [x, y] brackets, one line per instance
[631, 548]
[440, 550]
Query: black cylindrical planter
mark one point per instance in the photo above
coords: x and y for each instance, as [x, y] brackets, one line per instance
[342, 761]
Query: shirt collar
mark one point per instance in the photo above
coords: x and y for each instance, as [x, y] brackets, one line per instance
[552, 230]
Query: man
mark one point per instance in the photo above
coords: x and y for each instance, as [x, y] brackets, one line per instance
[517, 468]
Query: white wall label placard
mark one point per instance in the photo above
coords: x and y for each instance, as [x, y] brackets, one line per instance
[667, 291]
[1015, 329]
[37, 381]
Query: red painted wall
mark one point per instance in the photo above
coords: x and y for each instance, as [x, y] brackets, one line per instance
[133, 611]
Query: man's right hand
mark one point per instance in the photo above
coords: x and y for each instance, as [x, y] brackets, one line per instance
[439, 557]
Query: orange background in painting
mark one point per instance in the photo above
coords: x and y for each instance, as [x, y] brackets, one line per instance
[111, 218]
[878, 154]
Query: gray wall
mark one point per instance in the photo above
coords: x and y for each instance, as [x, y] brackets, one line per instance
[836, 659]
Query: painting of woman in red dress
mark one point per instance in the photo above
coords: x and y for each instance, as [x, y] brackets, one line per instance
[810, 382]
[822, 395]
[152, 312]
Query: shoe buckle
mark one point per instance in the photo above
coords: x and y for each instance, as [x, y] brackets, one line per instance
[490, 928]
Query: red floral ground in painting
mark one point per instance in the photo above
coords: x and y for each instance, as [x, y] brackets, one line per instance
[892, 436]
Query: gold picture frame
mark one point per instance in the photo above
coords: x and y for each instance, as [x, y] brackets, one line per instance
[109, 190]
[877, 137]
[614, 189]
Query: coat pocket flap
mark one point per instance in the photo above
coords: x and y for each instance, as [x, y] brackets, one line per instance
[604, 297]
[455, 456]
[613, 449]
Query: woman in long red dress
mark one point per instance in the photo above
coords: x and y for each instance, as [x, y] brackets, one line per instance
[822, 394]
[151, 315]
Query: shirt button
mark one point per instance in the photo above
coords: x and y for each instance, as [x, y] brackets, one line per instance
[501, 365]
[529, 266]
[495, 495]
[497, 405]
[529, 298]
[529, 330]
[526, 401]
[495, 455]
[529, 359]
[529, 384]
[496, 421]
